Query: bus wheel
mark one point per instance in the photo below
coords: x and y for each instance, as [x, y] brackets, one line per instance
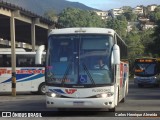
[123, 100]
[42, 89]
[112, 109]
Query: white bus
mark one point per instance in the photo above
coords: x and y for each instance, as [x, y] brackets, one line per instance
[29, 77]
[84, 68]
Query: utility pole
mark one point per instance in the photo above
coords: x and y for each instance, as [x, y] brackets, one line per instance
[13, 55]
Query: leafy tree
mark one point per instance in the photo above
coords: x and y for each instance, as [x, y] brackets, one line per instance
[51, 15]
[147, 39]
[154, 46]
[155, 15]
[135, 45]
[157, 9]
[127, 8]
[130, 16]
[72, 17]
[121, 17]
[120, 26]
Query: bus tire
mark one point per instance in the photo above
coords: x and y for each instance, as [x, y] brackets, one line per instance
[123, 100]
[112, 109]
[41, 89]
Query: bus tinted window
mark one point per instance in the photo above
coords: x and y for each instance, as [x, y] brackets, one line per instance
[23, 61]
[5, 60]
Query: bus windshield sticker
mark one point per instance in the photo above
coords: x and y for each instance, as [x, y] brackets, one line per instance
[83, 79]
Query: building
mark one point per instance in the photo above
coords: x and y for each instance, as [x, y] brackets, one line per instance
[117, 11]
[102, 14]
[27, 29]
[151, 8]
[138, 10]
[148, 25]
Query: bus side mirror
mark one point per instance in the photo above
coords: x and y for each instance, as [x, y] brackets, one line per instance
[116, 55]
[38, 57]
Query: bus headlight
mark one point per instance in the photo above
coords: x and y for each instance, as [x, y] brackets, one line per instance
[104, 95]
[51, 94]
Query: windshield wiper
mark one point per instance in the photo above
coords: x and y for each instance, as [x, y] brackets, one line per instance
[66, 73]
[145, 70]
[86, 69]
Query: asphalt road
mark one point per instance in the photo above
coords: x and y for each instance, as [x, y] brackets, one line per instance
[139, 99]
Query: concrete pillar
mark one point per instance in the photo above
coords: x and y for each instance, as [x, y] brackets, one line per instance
[33, 37]
[13, 55]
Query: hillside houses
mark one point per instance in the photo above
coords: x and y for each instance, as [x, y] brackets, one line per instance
[143, 22]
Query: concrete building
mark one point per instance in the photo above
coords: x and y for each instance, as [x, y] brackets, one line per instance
[27, 29]
[102, 14]
[116, 11]
[138, 10]
[151, 8]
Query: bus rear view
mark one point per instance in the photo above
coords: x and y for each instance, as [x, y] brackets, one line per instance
[146, 72]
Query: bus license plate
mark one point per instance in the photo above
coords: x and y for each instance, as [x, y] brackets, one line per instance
[78, 103]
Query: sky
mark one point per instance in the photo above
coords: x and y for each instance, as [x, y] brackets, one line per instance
[110, 4]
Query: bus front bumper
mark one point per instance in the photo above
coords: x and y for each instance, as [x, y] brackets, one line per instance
[145, 81]
[80, 102]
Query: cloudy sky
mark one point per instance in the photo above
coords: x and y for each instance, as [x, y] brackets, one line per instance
[110, 4]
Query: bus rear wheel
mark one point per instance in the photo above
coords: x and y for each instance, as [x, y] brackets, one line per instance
[42, 89]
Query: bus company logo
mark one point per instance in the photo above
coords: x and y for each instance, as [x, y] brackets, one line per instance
[66, 91]
[70, 91]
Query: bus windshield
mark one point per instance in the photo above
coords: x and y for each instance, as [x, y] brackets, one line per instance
[79, 60]
[145, 69]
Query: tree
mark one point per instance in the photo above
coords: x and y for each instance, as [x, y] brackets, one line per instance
[130, 16]
[51, 15]
[135, 47]
[154, 46]
[155, 15]
[121, 17]
[157, 9]
[127, 8]
[120, 26]
[72, 17]
[147, 39]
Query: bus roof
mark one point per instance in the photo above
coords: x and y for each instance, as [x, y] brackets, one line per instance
[144, 58]
[25, 53]
[9, 50]
[83, 30]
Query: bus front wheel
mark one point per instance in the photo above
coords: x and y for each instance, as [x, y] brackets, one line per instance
[42, 89]
[112, 109]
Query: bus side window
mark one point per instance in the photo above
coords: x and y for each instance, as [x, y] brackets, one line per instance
[8, 63]
[28, 63]
[21, 64]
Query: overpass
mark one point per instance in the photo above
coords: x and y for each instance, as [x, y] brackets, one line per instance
[28, 29]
